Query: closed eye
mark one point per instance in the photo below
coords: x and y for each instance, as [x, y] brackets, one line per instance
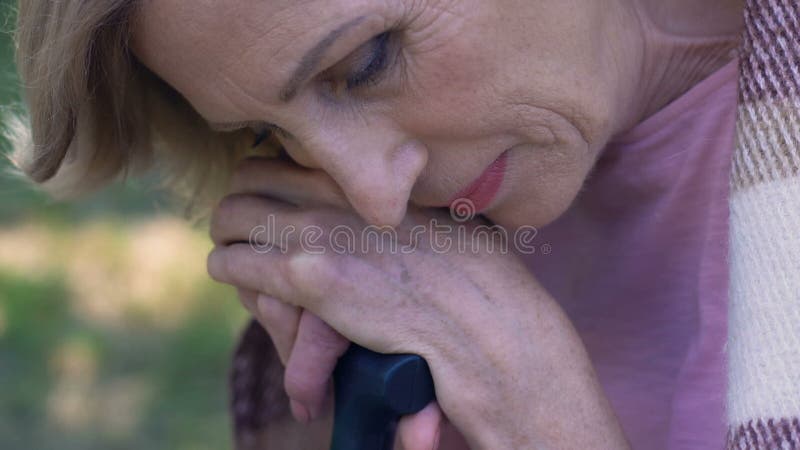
[364, 66]
[371, 61]
[375, 64]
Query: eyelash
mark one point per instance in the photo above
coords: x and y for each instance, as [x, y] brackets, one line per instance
[369, 74]
[375, 67]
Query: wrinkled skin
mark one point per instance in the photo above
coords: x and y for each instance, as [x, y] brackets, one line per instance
[551, 81]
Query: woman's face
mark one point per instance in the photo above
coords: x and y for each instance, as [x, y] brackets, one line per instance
[409, 100]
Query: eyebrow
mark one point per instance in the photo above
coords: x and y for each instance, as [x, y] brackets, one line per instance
[304, 70]
[309, 62]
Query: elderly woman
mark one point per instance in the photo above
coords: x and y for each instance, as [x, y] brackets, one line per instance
[608, 125]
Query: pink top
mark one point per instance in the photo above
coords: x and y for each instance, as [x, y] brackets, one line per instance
[639, 264]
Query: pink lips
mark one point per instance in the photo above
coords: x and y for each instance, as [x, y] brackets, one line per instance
[482, 191]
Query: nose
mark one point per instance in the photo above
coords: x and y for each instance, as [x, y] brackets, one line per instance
[376, 167]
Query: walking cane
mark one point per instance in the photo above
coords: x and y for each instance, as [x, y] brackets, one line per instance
[372, 392]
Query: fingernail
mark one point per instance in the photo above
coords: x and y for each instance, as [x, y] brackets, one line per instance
[300, 412]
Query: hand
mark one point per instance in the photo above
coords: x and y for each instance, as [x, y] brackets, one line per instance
[306, 345]
[509, 369]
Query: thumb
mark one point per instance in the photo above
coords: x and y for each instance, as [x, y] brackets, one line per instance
[421, 431]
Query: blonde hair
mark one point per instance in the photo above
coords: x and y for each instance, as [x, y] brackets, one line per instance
[94, 113]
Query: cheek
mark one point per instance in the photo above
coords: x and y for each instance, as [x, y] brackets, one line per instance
[455, 83]
[450, 94]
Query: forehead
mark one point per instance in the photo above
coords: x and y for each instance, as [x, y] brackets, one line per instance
[205, 44]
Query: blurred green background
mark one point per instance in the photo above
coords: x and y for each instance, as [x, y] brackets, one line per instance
[111, 334]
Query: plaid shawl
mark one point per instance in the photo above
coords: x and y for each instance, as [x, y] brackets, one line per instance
[764, 303]
[764, 300]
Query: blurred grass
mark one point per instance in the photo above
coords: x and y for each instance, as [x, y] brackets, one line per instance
[111, 334]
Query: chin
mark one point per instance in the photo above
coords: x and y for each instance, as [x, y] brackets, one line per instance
[530, 214]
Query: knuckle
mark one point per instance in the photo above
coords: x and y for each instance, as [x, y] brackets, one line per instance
[312, 275]
[295, 277]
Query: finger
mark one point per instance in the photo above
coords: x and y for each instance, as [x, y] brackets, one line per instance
[254, 219]
[421, 431]
[316, 350]
[281, 320]
[241, 266]
[331, 286]
[284, 180]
